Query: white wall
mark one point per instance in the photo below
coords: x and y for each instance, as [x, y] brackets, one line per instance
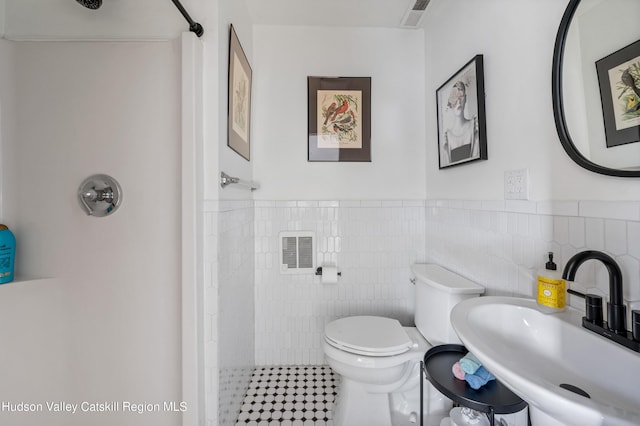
[217, 155]
[2, 14]
[7, 130]
[63, 19]
[520, 128]
[108, 327]
[284, 58]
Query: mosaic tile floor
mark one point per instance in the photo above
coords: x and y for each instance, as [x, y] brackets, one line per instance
[290, 396]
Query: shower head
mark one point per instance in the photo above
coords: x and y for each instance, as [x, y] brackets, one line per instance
[90, 4]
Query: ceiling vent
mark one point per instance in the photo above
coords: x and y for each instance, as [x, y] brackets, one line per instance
[413, 16]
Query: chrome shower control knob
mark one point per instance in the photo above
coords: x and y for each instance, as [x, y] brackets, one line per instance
[100, 195]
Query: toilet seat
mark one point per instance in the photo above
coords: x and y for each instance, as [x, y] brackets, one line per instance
[368, 335]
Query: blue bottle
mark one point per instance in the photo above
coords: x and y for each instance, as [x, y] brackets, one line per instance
[7, 254]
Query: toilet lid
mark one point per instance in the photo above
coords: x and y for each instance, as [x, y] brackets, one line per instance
[368, 335]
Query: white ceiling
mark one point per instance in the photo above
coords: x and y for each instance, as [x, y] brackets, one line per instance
[358, 13]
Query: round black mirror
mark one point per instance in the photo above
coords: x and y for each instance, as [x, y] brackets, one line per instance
[596, 85]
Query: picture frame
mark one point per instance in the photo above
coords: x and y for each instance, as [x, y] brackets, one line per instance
[619, 80]
[462, 134]
[339, 119]
[239, 100]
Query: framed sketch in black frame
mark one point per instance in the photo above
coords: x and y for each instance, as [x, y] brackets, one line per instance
[239, 101]
[462, 135]
[619, 79]
[339, 119]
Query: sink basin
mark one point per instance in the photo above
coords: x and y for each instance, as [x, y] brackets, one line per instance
[550, 361]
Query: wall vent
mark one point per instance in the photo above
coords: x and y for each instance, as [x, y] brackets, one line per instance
[420, 5]
[297, 252]
[414, 15]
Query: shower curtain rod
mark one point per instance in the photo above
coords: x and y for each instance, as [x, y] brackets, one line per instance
[193, 26]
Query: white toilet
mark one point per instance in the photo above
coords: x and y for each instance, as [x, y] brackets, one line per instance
[379, 360]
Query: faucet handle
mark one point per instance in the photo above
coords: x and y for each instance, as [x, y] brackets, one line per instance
[635, 325]
[617, 318]
[593, 308]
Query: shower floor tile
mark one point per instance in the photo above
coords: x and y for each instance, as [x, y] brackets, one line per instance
[290, 396]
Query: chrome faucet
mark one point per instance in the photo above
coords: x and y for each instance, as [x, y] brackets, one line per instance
[616, 309]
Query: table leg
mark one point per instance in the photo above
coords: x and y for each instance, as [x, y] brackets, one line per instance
[421, 392]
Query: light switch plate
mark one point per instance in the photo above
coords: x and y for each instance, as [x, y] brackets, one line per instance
[516, 184]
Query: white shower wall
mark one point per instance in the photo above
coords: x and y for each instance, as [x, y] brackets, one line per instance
[7, 128]
[101, 321]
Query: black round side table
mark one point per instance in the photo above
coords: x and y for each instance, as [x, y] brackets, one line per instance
[492, 398]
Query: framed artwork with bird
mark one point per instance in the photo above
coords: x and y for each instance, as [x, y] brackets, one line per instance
[339, 118]
[619, 79]
[239, 101]
[462, 135]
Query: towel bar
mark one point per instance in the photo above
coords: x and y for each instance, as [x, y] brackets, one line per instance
[226, 180]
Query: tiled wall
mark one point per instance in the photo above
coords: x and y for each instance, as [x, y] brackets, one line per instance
[499, 244]
[229, 307]
[372, 243]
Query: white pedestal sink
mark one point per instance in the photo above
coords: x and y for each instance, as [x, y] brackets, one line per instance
[540, 357]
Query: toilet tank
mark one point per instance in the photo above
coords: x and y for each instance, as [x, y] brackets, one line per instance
[437, 291]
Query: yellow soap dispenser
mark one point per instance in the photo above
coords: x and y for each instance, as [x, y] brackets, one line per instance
[551, 288]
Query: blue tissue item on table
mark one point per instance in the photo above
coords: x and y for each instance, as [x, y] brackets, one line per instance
[469, 363]
[480, 378]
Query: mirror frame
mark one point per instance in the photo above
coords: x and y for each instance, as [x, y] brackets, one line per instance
[558, 104]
